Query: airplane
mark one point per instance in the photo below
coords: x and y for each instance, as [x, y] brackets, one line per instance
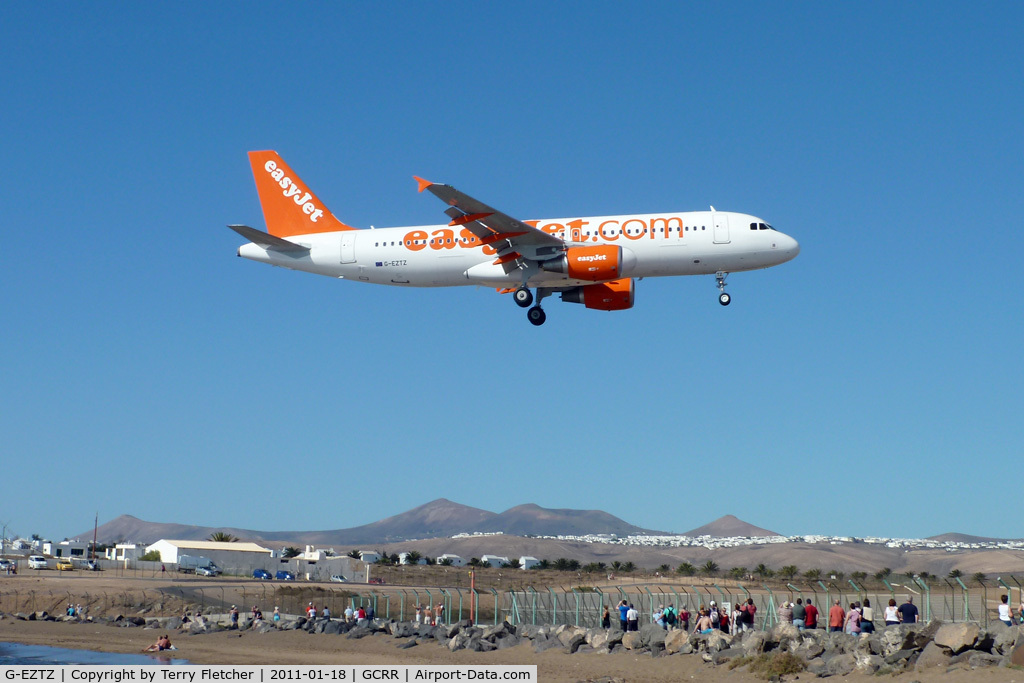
[586, 260]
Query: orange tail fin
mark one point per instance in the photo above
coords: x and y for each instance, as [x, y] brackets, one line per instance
[289, 208]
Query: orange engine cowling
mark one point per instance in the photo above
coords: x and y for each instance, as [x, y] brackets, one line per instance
[616, 295]
[596, 263]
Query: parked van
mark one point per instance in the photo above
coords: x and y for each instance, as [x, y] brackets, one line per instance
[37, 562]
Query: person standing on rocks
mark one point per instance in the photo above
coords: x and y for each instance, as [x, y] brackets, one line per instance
[623, 616]
[892, 613]
[853, 620]
[606, 618]
[908, 611]
[785, 613]
[1005, 613]
[811, 615]
[234, 616]
[800, 614]
[867, 618]
[836, 617]
[632, 619]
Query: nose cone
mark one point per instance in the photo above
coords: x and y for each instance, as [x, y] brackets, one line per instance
[789, 247]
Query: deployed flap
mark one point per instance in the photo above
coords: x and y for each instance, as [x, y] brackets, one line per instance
[487, 223]
[267, 241]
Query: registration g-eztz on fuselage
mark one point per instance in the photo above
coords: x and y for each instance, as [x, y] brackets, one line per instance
[587, 260]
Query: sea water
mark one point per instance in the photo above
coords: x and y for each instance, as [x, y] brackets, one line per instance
[42, 655]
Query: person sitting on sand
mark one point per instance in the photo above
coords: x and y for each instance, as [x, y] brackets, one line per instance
[162, 643]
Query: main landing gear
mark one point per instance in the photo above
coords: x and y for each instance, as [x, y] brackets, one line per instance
[524, 298]
[723, 297]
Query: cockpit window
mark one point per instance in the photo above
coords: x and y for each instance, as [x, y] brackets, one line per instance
[753, 226]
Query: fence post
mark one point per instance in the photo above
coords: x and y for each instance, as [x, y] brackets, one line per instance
[447, 602]
[576, 595]
[554, 606]
[771, 612]
[927, 597]
[495, 593]
[533, 616]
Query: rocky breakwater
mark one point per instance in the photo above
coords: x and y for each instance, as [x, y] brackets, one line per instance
[894, 649]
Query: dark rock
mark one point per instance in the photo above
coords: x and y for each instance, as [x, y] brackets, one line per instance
[507, 642]
[403, 629]
[358, 632]
[542, 644]
[652, 633]
[574, 643]
[868, 663]
[899, 656]
[918, 636]
[264, 627]
[332, 628]
[405, 645]
[841, 665]
[658, 649]
[957, 637]
[933, 656]
[1017, 653]
[979, 660]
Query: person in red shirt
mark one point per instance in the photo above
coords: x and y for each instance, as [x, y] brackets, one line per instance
[811, 621]
[836, 617]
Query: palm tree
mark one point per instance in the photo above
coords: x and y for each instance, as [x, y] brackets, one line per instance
[686, 569]
[979, 578]
[955, 574]
[789, 571]
[738, 572]
[616, 566]
[709, 568]
[628, 567]
[413, 557]
[762, 571]
[290, 552]
[883, 574]
[859, 576]
[222, 537]
[812, 574]
[836, 574]
[446, 562]
[354, 554]
[543, 564]
[663, 569]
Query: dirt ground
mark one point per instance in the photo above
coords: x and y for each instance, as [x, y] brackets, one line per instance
[299, 647]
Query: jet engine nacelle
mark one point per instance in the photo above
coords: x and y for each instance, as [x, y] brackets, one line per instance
[594, 263]
[616, 295]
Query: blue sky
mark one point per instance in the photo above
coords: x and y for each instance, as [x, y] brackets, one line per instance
[870, 387]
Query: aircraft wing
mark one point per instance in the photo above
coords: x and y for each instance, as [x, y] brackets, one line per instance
[511, 238]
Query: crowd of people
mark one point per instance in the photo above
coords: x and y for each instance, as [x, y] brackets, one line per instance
[857, 618]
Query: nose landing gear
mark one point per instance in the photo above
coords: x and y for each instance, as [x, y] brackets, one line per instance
[723, 297]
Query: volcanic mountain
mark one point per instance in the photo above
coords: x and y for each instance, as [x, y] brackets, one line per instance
[729, 526]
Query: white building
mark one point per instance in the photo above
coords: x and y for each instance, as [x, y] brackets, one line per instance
[125, 552]
[456, 560]
[494, 560]
[74, 549]
[527, 562]
[403, 558]
[232, 558]
[368, 556]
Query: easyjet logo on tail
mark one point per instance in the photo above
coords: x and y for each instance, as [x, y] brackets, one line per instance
[292, 191]
[289, 206]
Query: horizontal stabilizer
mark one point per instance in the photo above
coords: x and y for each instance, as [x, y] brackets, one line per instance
[266, 241]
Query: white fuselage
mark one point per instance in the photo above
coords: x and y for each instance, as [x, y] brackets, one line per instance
[654, 245]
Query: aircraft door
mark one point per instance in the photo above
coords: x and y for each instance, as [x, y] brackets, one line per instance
[348, 246]
[721, 227]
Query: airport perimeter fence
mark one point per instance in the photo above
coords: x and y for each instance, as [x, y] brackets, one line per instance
[578, 606]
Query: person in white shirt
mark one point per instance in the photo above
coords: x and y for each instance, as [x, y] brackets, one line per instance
[632, 619]
[1005, 613]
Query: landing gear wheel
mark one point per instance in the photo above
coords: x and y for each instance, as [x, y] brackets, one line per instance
[523, 297]
[536, 315]
[723, 298]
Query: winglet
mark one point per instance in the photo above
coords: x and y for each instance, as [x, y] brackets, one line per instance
[424, 184]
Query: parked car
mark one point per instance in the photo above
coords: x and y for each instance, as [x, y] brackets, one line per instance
[338, 578]
[262, 574]
[93, 566]
[378, 581]
[6, 565]
[37, 562]
[209, 570]
[65, 564]
[285, 576]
